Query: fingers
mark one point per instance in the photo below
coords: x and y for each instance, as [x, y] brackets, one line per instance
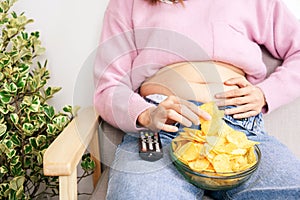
[179, 112]
[184, 119]
[248, 98]
[174, 109]
[238, 81]
[195, 109]
[239, 92]
[242, 111]
[188, 110]
[165, 127]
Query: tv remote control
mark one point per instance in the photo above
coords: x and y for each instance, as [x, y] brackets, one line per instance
[150, 147]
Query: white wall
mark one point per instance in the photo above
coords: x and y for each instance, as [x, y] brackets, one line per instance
[70, 30]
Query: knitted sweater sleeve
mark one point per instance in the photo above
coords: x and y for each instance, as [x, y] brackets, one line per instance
[115, 99]
[281, 36]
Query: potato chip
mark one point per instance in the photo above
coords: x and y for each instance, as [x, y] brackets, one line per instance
[199, 164]
[225, 130]
[175, 145]
[217, 147]
[238, 151]
[206, 149]
[210, 168]
[212, 127]
[237, 162]
[215, 141]
[197, 135]
[178, 142]
[210, 156]
[221, 163]
[251, 155]
[249, 143]
[194, 131]
[226, 148]
[189, 151]
[238, 138]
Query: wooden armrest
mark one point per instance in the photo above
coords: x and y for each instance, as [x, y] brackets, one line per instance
[63, 155]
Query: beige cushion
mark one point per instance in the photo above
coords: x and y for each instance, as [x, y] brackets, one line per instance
[283, 123]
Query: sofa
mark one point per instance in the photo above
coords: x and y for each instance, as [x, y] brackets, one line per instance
[282, 123]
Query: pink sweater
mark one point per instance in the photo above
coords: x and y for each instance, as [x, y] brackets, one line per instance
[138, 39]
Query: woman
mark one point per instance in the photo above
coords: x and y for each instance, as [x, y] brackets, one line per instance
[179, 55]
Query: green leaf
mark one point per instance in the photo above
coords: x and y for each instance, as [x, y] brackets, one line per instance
[33, 143]
[4, 188]
[10, 88]
[3, 172]
[60, 121]
[17, 182]
[12, 195]
[24, 35]
[15, 139]
[50, 91]
[14, 118]
[68, 109]
[35, 104]
[15, 160]
[11, 108]
[5, 97]
[41, 140]
[20, 193]
[11, 153]
[39, 159]
[28, 161]
[3, 129]
[27, 149]
[11, 32]
[24, 68]
[49, 111]
[9, 144]
[28, 128]
[34, 178]
[51, 129]
[3, 148]
[3, 110]
[40, 50]
[17, 169]
[26, 101]
[21, 82]
[87, 163]
[41, 118]
[14, 15]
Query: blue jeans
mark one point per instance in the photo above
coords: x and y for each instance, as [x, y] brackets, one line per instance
[277, 177]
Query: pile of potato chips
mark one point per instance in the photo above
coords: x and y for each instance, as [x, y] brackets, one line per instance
[216, 147]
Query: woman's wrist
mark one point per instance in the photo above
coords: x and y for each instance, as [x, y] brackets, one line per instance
[264, 108]
[144, 118]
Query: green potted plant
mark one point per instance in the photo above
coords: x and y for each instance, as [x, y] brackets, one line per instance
[28, 124]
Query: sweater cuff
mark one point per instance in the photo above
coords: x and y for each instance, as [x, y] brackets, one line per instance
[269, 97]
[137, 105]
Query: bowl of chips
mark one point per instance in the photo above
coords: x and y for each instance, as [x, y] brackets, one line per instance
[217, 157]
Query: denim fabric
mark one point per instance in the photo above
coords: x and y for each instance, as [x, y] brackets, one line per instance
[277, 177]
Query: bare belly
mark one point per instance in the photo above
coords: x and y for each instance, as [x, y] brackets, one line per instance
[192, 80]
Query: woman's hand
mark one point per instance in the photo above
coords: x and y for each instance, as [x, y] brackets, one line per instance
[248, 98]
[172, 109]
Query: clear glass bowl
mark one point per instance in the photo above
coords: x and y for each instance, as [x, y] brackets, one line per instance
[215, 181]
